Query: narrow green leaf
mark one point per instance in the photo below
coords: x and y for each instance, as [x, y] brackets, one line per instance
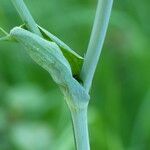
[46, 54]
[49, 56]
[75, 60]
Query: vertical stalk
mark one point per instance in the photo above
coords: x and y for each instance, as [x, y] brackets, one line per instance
[96, 42]
[26, 16]
[80, 125]
[79, 116]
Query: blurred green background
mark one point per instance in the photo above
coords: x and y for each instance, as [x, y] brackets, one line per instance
[33, 114]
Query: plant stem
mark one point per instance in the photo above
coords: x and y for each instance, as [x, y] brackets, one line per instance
[26, 16]
[79, 118]
[3, 31]
[96, 41]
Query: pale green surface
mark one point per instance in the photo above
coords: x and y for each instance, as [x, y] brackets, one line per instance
[48, 54]
[75, 60]
[29, 98]
[26, 16]
[92, 56]
[80, 125]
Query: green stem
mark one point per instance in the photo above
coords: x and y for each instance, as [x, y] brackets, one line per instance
[3, 31]
[96, 42]
[79, 118]
[26, 16]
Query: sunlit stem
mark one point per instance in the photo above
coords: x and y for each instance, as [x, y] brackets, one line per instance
[96, 42]
[80, 125]
[26, 16]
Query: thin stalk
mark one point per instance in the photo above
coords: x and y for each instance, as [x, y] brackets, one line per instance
[79, 116]
[80, 126]
[26, 16]
[3, 31]
[96, 42]
[6, 37]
